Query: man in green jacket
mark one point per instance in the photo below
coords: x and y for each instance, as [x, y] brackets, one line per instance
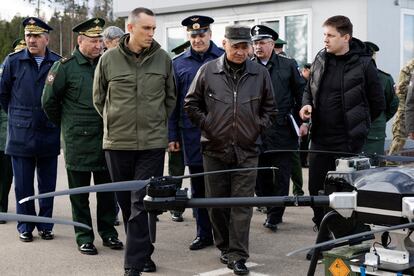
[376, 135]
[67, 100]
[134, 92]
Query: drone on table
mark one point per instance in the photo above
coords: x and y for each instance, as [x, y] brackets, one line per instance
[366, 199]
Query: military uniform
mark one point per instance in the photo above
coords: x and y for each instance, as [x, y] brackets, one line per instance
[376, 135]
[32, 140]
[67, 100]
[6, 172]
[398, 128]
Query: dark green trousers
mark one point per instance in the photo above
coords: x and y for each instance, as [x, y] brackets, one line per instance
[80, 206]
[296, 175]
[6, 179]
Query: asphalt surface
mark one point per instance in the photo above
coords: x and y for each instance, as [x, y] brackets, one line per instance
[60, 256]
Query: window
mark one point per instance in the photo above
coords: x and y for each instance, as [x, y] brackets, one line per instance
[293, 27]
[407, 47]
[175, 37]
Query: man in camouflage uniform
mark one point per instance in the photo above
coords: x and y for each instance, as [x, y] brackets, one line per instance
[398, 128]
[67, 100]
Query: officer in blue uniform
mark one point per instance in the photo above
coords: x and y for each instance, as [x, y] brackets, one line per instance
[186, 66]
[32, 140]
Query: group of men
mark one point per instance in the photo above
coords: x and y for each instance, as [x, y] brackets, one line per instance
[117, 113]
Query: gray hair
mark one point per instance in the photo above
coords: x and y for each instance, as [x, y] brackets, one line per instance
[112, 32]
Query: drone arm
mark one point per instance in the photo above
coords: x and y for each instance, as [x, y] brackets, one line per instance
[344, 203]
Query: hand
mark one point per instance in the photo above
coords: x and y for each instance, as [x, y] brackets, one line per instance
[306, 112]
[411, 135]
[174, 146]
[303, 130]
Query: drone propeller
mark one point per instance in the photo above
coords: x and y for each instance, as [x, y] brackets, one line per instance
[351, 237]
[223, 171]
[133, 185]
[391, 158]
[27, 218]
[110, 187]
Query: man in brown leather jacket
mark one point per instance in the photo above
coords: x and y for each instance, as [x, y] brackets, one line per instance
[231, 100]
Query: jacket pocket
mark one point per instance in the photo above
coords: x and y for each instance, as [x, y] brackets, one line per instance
[19, 130]
[85, 139]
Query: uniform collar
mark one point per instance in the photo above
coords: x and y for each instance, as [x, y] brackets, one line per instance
[212, 51]
[28, 55]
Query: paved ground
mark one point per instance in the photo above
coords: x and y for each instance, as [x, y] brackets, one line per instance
[172, 256]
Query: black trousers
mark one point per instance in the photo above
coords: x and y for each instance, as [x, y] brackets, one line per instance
[275, 182]
[204, 229]
[319, 165]
[127, 165]
[105, 206]
[6, 179]
[231, 226]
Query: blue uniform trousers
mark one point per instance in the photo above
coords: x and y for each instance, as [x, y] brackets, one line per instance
[46, 171]
[204, 229]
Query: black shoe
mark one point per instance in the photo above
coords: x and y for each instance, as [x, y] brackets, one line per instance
[113, 243]
[239, 267]
[200, 243]
[131, 272]
[26, 237]
[224, 259]
[149, 266]
[88, 249]
[3, 222]
[177, 217]
[270, 226]
[46, 235]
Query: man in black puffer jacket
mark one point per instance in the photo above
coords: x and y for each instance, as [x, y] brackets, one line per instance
[342, 97]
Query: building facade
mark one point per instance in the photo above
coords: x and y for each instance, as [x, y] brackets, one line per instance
[388, 23]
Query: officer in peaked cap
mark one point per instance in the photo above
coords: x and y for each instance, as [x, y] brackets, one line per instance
[259, 32]
[184, 137]
[288, 88]
[376, 136]
[197, 24]
[19, 44]
[82, 130]
[35, 146]
[90, 28]
[34, 25]
[279, 47]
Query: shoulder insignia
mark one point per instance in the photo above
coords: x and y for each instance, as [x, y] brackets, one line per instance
[65, 59]
[179, 55]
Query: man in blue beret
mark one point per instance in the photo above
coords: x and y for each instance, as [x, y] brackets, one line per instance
[32, 141]
[186, 66]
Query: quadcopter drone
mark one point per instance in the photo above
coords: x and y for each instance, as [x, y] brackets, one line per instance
[365, 199]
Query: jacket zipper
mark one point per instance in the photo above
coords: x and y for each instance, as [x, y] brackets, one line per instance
[235, 107]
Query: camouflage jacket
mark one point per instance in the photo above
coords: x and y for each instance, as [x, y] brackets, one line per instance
[405, 87]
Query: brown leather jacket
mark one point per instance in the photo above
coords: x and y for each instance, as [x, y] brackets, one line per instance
[231, 114]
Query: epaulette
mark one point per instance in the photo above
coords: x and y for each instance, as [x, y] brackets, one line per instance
[385, 73]
[283, 56]
[15, 53]
[56, 54]
[179, 55]
[65, 59]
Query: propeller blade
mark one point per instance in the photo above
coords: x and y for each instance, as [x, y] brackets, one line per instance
[315, 151]
[350, 237]
[27, 218]
[223, 171]
[396, 158]
[110, 187]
